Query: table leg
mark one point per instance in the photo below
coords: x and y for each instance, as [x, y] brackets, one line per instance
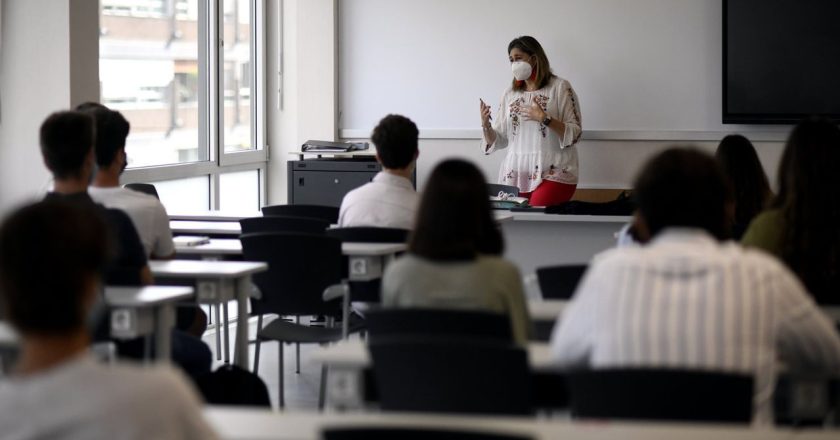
[345, 310]
[164, 322]
[227, 332]
[243, 289]
[218, 326]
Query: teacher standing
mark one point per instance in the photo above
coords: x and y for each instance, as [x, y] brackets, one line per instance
[539, 123]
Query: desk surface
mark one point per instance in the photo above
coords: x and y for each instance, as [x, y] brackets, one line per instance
[232, 246]
[146, 296]
[252, 424]
[546, 310]
[182, 227]
[543, 217]
[213, 216]
[205, 269]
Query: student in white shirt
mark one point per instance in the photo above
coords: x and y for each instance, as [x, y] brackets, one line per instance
[690, 300]
[51, 256]
[146, 212]
[389, 201]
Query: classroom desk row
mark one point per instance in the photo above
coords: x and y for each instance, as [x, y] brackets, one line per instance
[241, 424]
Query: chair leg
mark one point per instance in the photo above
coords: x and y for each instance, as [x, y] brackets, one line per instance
[297, 350]
[226, 342]
[280, 401]
[322, 391]
[257, 346]
[218, 333]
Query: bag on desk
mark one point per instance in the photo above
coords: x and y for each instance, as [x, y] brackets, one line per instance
[232, 385]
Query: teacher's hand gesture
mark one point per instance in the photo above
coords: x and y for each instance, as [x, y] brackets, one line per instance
[485, 114]
[534, 113]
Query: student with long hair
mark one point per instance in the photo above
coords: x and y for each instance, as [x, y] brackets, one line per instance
[802, 226]
[751, 191]
[454, 253]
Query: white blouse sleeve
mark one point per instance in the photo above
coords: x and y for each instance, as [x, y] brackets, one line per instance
[500, 125]
[569, 114]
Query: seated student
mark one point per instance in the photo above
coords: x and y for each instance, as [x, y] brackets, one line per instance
[739, 162]
[147, 213]
[389, 201]
[689, 300]
[67, 140]
[57, 390]
[801, 227]
[453, 259]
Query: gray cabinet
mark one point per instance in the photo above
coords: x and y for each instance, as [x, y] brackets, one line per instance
[326, 181]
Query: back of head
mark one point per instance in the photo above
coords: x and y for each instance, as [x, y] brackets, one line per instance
[454, 221]
[111, 131]
[739, 162]
[396, 141]
[50, 253]
[66, 139]
[683, 187]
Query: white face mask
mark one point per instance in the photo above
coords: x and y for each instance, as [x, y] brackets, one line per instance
[521, 70]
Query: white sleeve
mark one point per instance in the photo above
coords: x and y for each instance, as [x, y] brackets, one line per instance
[163, 245]
[569, 114]
[573, 336]
[500, 125]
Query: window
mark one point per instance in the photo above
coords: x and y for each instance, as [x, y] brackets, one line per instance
[186, 75]
[185, 195]
[239, 191]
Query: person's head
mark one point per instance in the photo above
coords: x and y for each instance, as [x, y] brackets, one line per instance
[67, 139]
[51, 256]
[682, 187]
[751, 190]
[395, 138]
[529, 50]
[454, 221]
[111, 132]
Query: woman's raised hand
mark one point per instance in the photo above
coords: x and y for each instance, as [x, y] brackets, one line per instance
[486, 117]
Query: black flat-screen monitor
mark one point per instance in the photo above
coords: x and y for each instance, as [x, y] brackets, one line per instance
[781, 60]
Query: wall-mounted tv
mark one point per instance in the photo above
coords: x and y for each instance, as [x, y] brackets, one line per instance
[781, 60]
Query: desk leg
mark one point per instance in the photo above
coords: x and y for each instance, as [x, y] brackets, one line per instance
[163, 331]
[218, 326]
[243, 289]
[227, 332]
[345, 310]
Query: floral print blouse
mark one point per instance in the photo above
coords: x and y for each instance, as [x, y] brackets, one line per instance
[535, 152]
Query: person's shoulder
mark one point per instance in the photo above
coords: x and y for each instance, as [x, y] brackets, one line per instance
[497, 264]
[149, 383]
[765, 230]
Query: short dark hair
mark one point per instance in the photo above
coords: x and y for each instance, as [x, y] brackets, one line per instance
[48, 253]
[66, 138]
[750, 187]
[111, 131]
[454, 221]
[683, 187]
[396, 141]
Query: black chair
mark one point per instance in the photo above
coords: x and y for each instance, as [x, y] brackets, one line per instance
[385, 323]
[364, 234]
[560, 282]
[326, 213]
[391, 433]
[145, 188]
[452, 376]
[293, 286]
[493, 189]
[255, 225]
[661, 394]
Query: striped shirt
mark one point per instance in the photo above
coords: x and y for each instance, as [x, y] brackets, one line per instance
[688, 301]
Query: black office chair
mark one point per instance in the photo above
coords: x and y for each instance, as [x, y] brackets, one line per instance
[560, 282]
[364, 234]
[392, 433]
[293, 286]
[255, 225]
[661, 394]
[451, 375]
[145, 188]
[326, 213]
[384, 323]
[493, 189]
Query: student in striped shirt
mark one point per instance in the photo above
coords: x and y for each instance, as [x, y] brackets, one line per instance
[689, 299]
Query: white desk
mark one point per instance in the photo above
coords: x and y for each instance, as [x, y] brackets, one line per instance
[8, 336]
[546, 310]
[138, 311]
[191, 227]
[215, 249]
[218, 282]
[241, 424]
[213, 216]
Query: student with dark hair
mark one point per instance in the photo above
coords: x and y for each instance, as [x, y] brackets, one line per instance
[751, 191]
[454, 254]
[51, 259]
[389, 201]
[801, 227]
[690, 300]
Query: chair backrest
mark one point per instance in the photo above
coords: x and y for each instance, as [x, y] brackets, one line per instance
[255, 225]
[559, 282]
[494, 188]
[383, 323]
[300, 267]
[327, 213]
[661, 394]
[145, 188]
[413, 433]
[369, 234]
[451, 376]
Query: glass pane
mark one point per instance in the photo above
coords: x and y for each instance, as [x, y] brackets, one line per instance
[240, 191]
[149, 71]
[236, 75]
[185, 195]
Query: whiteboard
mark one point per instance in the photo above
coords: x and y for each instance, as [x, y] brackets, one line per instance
[643, 65]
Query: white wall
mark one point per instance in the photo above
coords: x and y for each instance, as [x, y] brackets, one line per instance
[35, 80]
